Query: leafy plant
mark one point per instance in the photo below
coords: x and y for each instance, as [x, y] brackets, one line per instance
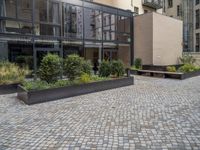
[138, 63]
[11, 73]
[86, 67]
[85, 78]
[50, 68]
[117, 68]
[105, 69]
[188, 68]
[171, 69]
[187, 59]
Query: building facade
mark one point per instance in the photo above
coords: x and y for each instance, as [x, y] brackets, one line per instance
[137, 6]
[183, 10]
[29, 29]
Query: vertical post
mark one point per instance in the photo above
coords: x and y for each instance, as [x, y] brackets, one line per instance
[132, 39]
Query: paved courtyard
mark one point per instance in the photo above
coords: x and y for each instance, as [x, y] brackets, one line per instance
[152, 114]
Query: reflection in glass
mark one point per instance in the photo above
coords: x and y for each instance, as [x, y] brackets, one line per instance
[93, 24]
[25, 9]
[73, 21]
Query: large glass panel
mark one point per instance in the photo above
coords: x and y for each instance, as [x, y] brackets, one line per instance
[9, 8]
[109, 27]
[25, 9]
[93, 24]
[54, 12]
[73, 21]
[46, 29]
[41, 10]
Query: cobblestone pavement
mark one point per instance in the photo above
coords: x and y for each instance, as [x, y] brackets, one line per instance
[153, 114]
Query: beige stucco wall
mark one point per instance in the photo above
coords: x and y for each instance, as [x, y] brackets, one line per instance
[167, 40]
[158, 39]
[143, 38]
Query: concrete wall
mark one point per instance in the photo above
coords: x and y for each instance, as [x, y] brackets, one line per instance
[157, 39]
[143, 38]
[167, 40]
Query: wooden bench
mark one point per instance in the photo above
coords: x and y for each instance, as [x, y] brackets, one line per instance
[163, 74]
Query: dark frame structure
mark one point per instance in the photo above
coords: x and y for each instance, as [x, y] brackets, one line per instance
[62, 27]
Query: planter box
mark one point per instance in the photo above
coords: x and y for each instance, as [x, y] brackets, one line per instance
[8, 88]
[165, 74]
[190, 75]
[33, 97]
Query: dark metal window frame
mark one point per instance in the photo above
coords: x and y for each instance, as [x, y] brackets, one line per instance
[83, 4]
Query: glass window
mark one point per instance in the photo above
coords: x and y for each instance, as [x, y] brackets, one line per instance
[41, 10]
[93, 24]
[54, 12]
[9, 9]
[45, 29]
[73, 21]
[25, 9]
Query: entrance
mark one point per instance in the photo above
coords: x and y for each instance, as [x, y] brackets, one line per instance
[110, 54]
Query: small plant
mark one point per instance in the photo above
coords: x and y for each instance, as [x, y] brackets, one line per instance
[188, 68]
[105, 69]
[138, 63]
[85, 78]
[187, 59]
[50, 68]
[171, 69]
[11, 73]
[117, 68]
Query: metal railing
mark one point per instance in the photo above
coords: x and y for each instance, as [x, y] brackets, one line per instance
[156, 4]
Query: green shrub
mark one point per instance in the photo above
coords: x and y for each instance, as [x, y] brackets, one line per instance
[11, 73]
[187, 59]
[138, 63]
[85, 78]
[188, 68]
[117, 68]
[50, 68]
[86, 67]
[105, 69]
[73, 66]
[171, 69]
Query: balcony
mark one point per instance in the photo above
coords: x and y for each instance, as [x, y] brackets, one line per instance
[155, 4]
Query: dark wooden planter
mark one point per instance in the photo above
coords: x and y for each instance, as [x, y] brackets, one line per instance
[33, 97]
[164, 74]
[8, 88]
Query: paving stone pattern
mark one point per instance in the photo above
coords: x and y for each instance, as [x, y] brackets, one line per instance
[152, 114]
